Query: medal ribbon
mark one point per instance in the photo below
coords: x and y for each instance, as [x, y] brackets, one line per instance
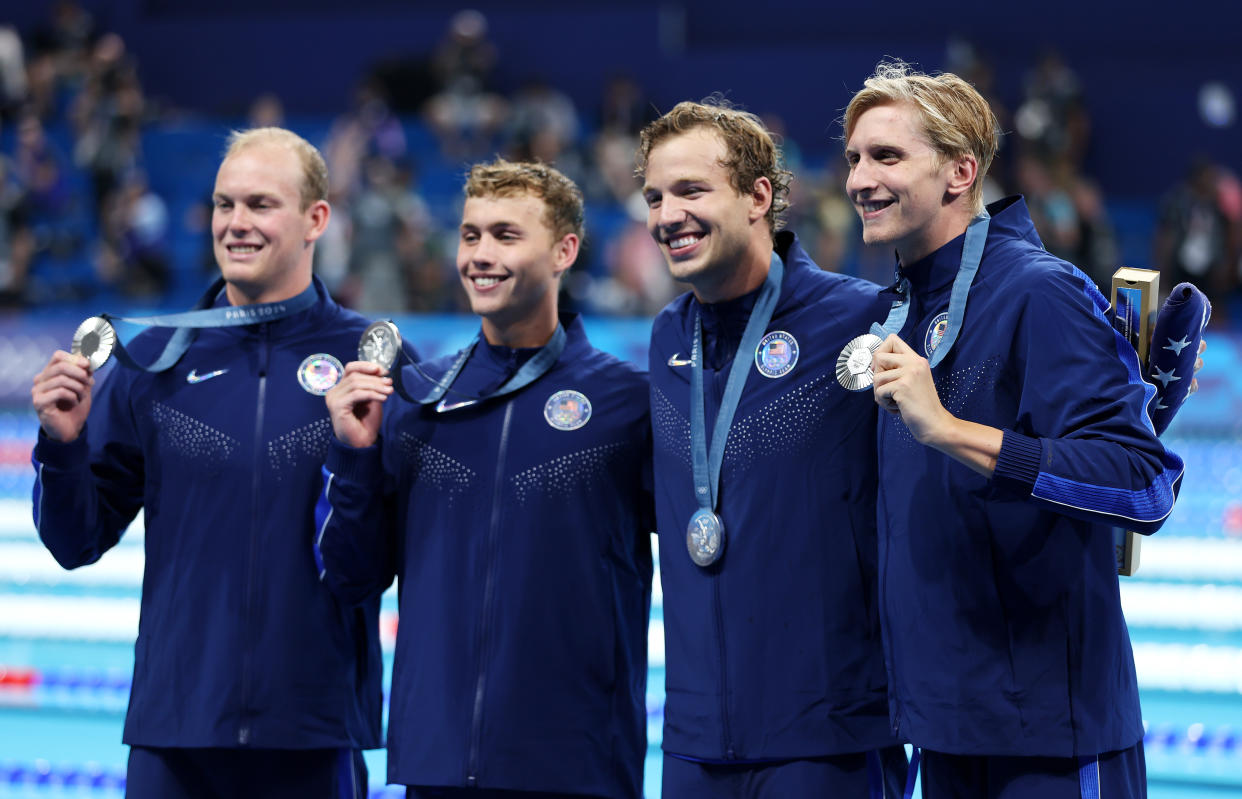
[530, 371]
[188, 323]
[707, 475]
[972, 254]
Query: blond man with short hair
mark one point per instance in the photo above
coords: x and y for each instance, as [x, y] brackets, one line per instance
[250, 679]
[1015, 437]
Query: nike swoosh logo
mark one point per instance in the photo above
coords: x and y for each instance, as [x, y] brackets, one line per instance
[445, 405]
[194, 377]
[673, 360]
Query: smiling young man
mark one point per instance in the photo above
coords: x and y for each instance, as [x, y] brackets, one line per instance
[1017, 436]
[249, 678]
[765, 475]
[512, 500]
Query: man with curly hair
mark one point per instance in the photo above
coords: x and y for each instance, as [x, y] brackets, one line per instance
[512, 499]
[765, 474]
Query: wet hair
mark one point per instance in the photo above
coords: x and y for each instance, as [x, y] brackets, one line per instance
[956, 119]
[751, 152]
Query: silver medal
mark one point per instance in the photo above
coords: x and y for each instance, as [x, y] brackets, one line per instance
[94, 339]
[854, 370]
[380, 344]
[705, 537]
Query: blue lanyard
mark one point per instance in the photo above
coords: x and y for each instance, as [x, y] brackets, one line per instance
[188, 323]
[972, 254]
[530, 371]
[706, 485]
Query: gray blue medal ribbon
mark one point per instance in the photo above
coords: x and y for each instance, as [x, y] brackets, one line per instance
[972, 254]
[705, 536]
[188, 323]
[529, 372]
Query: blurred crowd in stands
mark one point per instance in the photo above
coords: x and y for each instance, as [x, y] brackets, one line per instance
[398, 153]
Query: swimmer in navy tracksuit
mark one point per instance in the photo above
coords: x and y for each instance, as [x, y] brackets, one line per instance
[1005, 463]
[515, 509]
[250, 678]
[775, 676]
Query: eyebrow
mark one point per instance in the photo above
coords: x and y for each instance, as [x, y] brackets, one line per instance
[502, 224]
[221, 195]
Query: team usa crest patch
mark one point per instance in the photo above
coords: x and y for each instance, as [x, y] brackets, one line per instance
[319, 373]
[567, 410]
[777, 354]
[935, 333]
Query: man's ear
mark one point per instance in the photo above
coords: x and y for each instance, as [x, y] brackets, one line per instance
[318, 214]
[761, 199]
[963, 175]
[565, 252]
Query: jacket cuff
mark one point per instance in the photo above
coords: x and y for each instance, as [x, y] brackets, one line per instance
[62, 456]
[1017, 465]
[361, 465]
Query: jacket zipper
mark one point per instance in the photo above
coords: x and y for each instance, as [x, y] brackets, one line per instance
[489, 589]
[886, 644]
[243, 731]
[726, 731]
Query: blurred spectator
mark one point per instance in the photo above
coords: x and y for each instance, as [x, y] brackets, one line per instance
[384, 218]
[613, 180]
[59, 52]
[16, 241]
[1051, 207]
[134, 229]
[636, 280]
[1097, 253]
[108, 117]
[464, 113]
[624, 109]
[49, 198]
[1194, 240]
[1052, 119]
[12, 72]
[543, 123]
[368, 129]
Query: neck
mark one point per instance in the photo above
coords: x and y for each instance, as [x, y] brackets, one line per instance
[951, 223]
[748, 275]
[534, 331]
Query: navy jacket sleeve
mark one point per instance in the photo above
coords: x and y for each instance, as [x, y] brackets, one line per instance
[87, 491]
[355, 526]
[1084, 444]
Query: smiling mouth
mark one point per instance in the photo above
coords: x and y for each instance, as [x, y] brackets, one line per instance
[487, 281]
[243, 249]
[872, 206]
[683, 242]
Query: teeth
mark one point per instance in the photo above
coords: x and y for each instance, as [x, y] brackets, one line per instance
[484, 282]
[243, 249]
[875, 206]
[682, 241]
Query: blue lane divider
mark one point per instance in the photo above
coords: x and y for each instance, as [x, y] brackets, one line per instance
[78, 688]
[1196, 736]
[94, 778]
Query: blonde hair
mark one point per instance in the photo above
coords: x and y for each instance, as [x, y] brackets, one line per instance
[750, 150]
[956, 119]
[561, 197]
[314, 171]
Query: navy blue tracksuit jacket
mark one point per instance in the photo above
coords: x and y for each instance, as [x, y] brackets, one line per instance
[519, 529]
[1002, 620]
[239, 645]
[774, 651]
